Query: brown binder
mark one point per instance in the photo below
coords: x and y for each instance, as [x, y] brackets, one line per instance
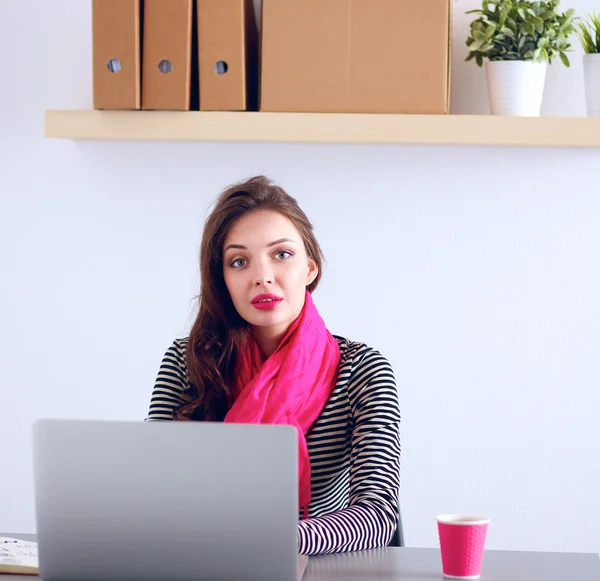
[167, 52]
[227, 56]
[116, 54]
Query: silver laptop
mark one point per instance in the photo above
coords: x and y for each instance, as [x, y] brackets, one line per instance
[166, 501]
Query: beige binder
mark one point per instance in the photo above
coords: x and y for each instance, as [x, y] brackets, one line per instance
[116, 54]
[167, 54]
[227, 55]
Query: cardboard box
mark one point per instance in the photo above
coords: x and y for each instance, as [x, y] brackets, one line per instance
[116, 54]
[167, 54]
[356, 56]
[227, 55]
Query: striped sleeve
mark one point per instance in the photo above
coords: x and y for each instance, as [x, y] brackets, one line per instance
[170, 383]
[371, 517]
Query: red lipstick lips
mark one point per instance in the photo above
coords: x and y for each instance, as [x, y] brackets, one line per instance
[266, 302]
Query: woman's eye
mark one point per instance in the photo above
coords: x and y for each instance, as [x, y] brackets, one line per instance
[236, 263]
[283, 254]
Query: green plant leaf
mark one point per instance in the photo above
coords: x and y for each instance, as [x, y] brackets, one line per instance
[564, 58]
[490, 30]
[543, 42]
[595, 31]
[502, 20]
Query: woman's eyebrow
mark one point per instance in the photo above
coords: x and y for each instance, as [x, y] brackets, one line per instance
[274, 243]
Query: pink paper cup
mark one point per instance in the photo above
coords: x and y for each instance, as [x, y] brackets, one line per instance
[462, 543]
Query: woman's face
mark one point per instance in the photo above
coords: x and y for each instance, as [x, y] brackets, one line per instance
[264, 258]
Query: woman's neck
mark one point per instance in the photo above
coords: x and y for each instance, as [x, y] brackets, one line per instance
[268, 340]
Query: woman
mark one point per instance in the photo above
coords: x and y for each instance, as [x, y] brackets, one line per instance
[259, 352]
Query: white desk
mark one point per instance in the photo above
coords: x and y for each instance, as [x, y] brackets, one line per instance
[408, 564]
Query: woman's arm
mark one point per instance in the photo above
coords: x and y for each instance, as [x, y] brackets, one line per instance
[372, 515]
[170, 384]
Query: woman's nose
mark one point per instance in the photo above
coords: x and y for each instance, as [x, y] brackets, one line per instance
[262, 280]
[263, 276]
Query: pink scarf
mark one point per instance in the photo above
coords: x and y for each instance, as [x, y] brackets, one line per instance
[292, 386]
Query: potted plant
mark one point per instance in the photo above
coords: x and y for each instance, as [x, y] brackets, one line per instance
[589, 36]
[518, 40]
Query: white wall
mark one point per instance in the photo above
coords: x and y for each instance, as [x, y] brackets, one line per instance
[475, 270]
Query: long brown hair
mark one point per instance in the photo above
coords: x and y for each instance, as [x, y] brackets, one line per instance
[219, 330]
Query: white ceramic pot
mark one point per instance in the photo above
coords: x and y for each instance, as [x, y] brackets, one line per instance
[591, 75]
[516, 87]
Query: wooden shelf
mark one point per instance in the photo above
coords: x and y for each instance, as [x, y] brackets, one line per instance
[325, 128]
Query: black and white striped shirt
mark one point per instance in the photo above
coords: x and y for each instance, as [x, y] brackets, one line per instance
[354, 450]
